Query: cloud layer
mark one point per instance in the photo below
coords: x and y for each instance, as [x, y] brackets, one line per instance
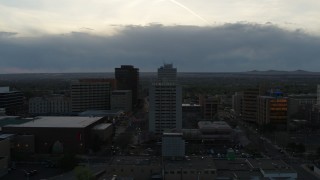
[231, 47]
[33, 17]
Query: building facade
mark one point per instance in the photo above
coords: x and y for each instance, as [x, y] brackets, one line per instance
[121, 100]
[165, 110]
[165, 101]
[51, 134]
[91, 94]
[127, 78]
[272, 110]
[300, 105]
[167, 73]
[4, 155]
[11, 101]
[237, 99]
[173, 145]
[209, 106]
[249, 104]
[52, 105]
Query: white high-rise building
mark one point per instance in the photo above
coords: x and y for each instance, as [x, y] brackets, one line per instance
[165, 97]
[167, 73]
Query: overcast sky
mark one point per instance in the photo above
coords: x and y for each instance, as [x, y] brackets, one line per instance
[202, 35]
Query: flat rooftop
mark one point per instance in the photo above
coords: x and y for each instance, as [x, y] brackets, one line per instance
[101, 113]
[6, 136]
[235, 165]
[58, 122]
[214, 125]
[270, 165]
[172, 134]
[6, 120]
[102, 126]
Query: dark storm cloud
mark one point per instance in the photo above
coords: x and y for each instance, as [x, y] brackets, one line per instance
[231, 47]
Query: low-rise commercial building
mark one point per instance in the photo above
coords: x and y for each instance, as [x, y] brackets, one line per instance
[103, 131]
[190, 168]
[204, 167]
[217, 131]
[273, 169]
[71, 133]
[173, 145]
[135, 167]
[254, 169]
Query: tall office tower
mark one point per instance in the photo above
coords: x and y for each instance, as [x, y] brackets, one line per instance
[167, 73]
[91, 94]
[249, 104]
[11, 101]
[127, 78]
[165, 98]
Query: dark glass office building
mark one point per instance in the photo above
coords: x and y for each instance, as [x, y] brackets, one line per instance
[127, 78]
[11, 101]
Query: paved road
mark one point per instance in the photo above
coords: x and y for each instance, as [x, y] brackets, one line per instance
[43, 172]
[272, 151]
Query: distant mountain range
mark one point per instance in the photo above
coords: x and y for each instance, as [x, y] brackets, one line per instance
[274, 72]
[152, 75]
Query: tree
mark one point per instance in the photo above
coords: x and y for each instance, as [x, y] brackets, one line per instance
[83, 173]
